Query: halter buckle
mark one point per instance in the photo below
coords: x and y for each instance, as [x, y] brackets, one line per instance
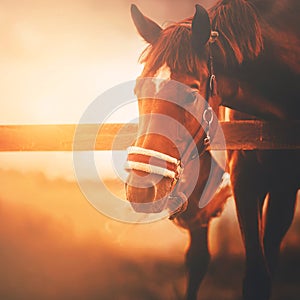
[213, 36]
[206, 141]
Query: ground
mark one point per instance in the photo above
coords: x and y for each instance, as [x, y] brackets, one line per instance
[54, 245]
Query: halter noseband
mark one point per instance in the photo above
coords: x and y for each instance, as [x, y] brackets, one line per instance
[154, 162]
[160, 164]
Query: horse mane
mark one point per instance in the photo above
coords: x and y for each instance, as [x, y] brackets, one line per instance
[174, 49]
[243, 34]
[281, 31]
[240, 32]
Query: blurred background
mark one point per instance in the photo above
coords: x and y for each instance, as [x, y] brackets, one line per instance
[56, 57]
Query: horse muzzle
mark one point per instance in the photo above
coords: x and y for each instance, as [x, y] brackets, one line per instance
[154, 197]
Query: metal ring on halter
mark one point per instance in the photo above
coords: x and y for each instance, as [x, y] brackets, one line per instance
[208, 110]
[208, 121]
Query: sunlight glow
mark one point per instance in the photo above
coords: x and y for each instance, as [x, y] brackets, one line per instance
[51, 71]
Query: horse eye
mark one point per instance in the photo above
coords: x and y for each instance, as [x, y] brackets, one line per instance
[191, 97]
[195, 86]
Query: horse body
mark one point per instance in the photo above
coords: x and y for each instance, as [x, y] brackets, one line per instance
[265, 88]
[256, 61]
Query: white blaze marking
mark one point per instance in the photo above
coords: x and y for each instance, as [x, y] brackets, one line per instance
[162, 74]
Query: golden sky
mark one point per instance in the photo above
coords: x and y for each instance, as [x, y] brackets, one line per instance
[58, 56]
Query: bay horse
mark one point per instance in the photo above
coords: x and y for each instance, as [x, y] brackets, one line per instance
[252, 48]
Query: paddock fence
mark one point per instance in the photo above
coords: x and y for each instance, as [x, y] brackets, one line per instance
[239, 135]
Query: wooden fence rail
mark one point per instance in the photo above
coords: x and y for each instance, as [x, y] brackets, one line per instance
[239, 135]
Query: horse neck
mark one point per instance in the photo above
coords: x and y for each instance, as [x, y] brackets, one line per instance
[273, 76]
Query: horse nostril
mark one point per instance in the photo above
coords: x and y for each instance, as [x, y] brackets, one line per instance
[141, 199]
[151, 193]
[138, 191]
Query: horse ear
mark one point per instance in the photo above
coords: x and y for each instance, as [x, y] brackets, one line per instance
[201, 28]
[147, 28]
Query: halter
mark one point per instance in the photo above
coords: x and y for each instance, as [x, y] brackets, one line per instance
[154, 162]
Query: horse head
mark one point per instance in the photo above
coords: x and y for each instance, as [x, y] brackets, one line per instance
[175, 120]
